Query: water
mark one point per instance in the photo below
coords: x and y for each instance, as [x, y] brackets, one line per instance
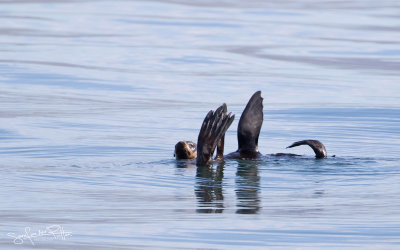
[94, 95]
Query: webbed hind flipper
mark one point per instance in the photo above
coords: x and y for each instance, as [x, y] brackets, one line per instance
[317, 146]
[212, 130]
[250, 124]
[220, 148]
[221, 142]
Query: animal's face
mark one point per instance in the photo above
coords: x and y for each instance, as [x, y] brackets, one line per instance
[185, 150]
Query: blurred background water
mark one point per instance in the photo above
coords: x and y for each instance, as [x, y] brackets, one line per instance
[94, 95]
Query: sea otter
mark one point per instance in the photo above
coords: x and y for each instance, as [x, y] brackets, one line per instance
[212, 135]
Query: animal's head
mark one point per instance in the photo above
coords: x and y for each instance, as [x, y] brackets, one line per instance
[185, 150]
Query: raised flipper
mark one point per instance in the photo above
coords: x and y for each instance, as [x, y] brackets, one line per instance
[212, 130]
[220, 148]
[250, 125]
[221, 142]
[317, 146]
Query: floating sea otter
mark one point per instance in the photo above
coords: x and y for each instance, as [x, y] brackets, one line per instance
[212, 135]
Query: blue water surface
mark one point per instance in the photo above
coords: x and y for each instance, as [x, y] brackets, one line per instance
[95, 94]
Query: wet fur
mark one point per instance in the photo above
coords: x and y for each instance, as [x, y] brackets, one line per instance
[183, 150]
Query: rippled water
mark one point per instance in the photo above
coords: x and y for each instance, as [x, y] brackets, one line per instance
[94, 95]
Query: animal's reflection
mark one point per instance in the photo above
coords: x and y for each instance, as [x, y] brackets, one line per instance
[182, 164]
[247, 188]
[208, 189]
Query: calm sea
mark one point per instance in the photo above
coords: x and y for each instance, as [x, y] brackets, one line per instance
[95, 94]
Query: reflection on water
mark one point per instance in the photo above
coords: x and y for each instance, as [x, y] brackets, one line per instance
[209, 189]
[185, 163]
[247, 187]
